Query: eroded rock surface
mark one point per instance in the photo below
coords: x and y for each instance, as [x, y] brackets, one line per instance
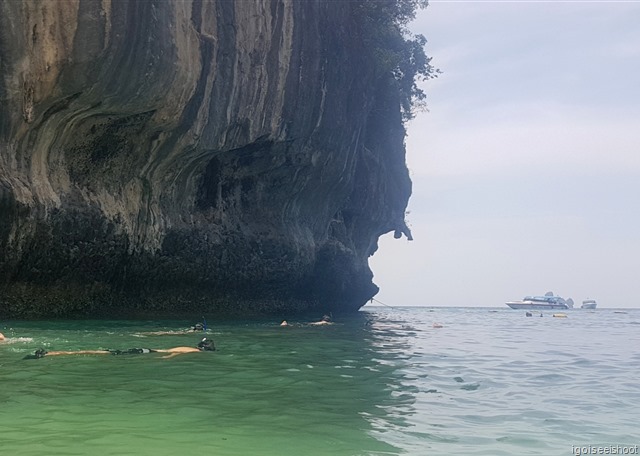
[239, 157]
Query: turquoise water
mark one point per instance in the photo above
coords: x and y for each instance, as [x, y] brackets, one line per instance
[382, 382]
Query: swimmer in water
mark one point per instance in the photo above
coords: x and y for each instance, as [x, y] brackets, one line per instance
[1, 337]
[204, 345]
[195, 328]
[326, 320]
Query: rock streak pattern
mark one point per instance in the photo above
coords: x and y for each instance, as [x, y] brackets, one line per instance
[235, 156]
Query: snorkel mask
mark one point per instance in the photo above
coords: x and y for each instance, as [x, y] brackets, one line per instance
[206, 345]
[39, 353]
[200, 326]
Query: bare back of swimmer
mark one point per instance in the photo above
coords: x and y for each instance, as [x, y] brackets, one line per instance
[326, 320]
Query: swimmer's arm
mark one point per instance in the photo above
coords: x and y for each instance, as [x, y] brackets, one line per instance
[171, 355]
[163, 333]
[175, 351]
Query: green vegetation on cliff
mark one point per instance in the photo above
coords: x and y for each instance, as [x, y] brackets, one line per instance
[384, 29]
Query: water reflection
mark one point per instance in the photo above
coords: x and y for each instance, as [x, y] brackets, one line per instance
[390, 340]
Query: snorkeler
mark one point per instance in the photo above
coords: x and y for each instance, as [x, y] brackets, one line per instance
[195, 328]
[204, 345]
[199, 327]
[326, 320]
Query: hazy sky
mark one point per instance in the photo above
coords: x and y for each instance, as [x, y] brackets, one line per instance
[526, 169]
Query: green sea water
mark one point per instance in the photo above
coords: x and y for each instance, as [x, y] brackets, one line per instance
[382, 382]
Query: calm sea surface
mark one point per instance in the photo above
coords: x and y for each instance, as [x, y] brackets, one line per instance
[383, 382]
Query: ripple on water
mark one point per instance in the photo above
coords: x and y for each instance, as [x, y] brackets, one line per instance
[378, 383]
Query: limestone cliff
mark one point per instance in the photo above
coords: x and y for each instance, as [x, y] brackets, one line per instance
[234, 157]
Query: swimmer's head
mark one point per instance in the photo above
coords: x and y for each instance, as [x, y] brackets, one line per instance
[326, 318]
[198, 327]
[39, 353]
[206, 345]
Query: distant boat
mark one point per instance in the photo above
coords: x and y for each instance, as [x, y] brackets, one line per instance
[589, 304]
[548, 301]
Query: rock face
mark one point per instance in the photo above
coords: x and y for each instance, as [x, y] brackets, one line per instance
[235, 157]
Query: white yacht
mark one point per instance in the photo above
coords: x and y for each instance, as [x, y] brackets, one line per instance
[589, 304]
[548, 301]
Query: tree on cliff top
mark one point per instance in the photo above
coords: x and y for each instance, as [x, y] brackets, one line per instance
[396, 50]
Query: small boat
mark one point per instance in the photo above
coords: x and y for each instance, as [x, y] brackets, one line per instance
[548, 301]
[589, 304]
